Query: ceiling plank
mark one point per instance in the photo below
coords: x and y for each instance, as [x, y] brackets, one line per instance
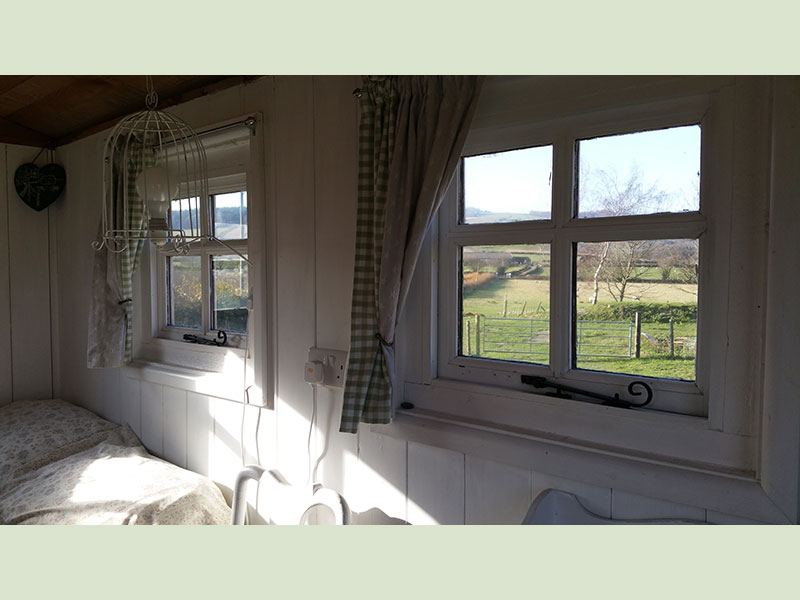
[8, 82]
[30, 90]
[11, 133]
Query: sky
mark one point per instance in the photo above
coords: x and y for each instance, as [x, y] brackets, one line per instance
[519, 180]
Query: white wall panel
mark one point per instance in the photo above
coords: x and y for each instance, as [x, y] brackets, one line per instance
[625, 505]
[199, 433]
[495, 494]
[293, 131]
[335, 189]
[29, 274]
[379, 494]
[132, 404]
[6, 380]
[153, 417]
[435, 486]
[716, 518]
[174, 428]
[227, 437]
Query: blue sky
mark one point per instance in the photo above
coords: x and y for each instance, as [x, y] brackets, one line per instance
[519, 180]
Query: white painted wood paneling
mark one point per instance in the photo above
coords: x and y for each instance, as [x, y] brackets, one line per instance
[174, 427]
[716, 518]
[295, 292]
[132, 404]
[109, 398]
[153, 417]
[495, 494]
[435, 486]
[379, 494]
[29, 266]
[199, 433]
[593, 498]
[625, 505]
[6, 381]
[55, 313]
[335, 190]
[780, 450]
[227, 451]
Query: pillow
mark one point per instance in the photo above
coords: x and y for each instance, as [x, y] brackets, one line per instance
[37, 432]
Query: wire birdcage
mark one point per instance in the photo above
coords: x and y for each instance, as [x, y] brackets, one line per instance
[155, 183]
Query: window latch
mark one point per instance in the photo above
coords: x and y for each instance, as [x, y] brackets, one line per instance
[196, 339]
[541, 382]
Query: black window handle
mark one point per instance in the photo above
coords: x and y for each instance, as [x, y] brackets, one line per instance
[541, 382]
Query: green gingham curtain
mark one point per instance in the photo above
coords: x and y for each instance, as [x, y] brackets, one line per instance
[110, 341]
[411, 134]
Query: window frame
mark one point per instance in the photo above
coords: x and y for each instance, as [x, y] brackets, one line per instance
[562, 232]
[720, 435]
[205, 250]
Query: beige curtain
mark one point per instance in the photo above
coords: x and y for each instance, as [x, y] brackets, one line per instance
[410, 140]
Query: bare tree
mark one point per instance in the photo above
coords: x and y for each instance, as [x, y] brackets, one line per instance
[603, 194]
[624, 263]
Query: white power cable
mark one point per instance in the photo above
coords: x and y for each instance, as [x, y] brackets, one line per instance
[311, 424]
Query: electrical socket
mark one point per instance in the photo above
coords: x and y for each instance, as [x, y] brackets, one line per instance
[334, 365]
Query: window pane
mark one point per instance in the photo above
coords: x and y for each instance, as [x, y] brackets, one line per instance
[640, 173]
[230, 216]
[229, 274]
[508, 186]
[654, 279]
[505, 302]
[185, 309]
[185, 215]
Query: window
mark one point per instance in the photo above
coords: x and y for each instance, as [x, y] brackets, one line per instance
[209, 288]
[583, 269]
[205, 291]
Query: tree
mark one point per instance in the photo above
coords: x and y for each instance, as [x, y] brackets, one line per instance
[623, 264]
[603, 194]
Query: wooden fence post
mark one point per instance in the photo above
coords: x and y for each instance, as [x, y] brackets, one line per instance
[671, 339]
[638, 341]
[469, 337]
[477, 335]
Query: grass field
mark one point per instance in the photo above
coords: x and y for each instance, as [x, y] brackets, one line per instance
[524, 341]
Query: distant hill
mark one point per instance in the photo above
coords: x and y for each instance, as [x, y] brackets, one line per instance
[473, 215]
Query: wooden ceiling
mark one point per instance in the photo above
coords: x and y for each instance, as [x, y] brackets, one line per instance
[52, 110]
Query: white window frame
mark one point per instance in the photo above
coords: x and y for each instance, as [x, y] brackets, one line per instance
[718, 429]
[560, 233]
[205, 250]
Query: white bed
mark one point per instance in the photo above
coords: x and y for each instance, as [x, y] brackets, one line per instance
[61, 464]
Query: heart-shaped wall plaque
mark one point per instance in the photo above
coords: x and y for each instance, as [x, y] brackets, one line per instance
[40, 187]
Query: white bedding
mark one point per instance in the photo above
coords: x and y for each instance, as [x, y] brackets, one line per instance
[61, 464]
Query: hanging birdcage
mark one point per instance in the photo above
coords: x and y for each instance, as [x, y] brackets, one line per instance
[155, 183]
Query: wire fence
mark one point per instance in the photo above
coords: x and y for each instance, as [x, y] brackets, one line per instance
[484, 335]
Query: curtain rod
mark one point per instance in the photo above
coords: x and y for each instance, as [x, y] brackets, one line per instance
[249, 122]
